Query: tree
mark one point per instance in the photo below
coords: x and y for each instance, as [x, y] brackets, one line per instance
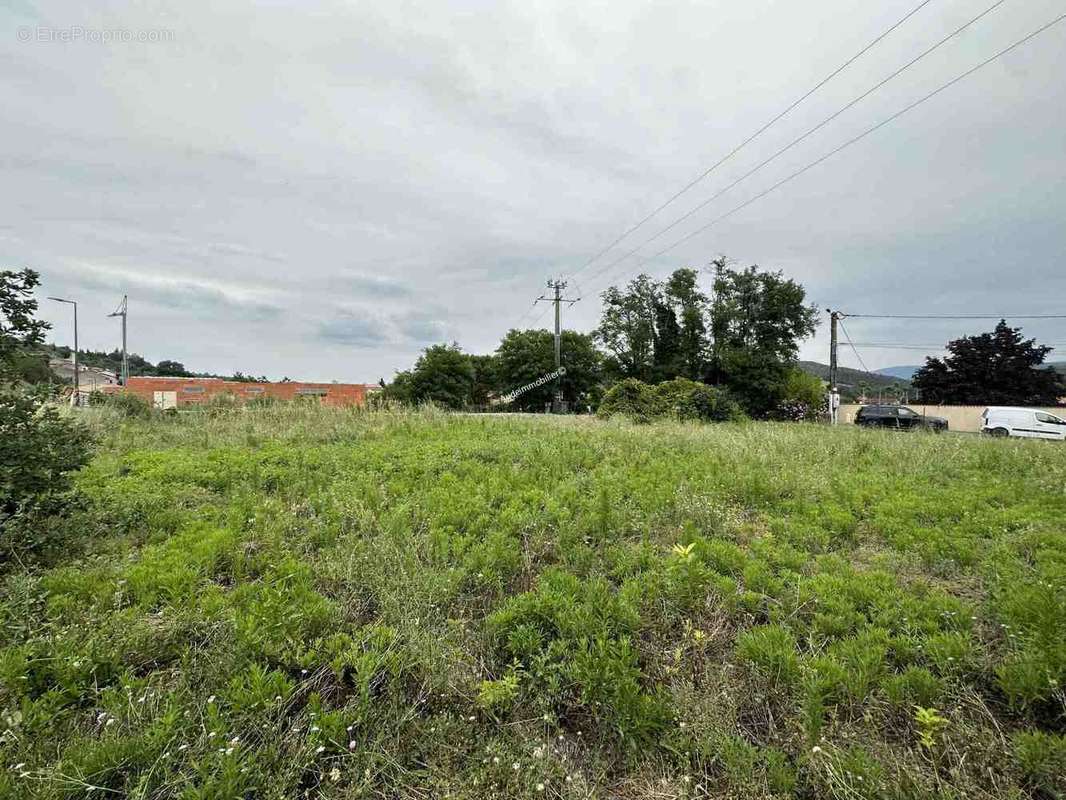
[39, 448]
[627, 329]
[171, 368]
[996, 368]
[18, 329]
[523, 357]
[486, 379]
[683, 290]
[757, 321]
[443, 375]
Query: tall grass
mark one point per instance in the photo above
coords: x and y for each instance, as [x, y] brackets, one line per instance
[302, 601]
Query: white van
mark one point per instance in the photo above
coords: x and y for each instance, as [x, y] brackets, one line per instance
[1027, 422]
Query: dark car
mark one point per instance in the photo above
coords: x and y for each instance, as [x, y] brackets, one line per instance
[898, 418]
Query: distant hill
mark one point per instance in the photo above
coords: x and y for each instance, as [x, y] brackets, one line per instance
[849, 379]
[906, 372]
[1058, 366]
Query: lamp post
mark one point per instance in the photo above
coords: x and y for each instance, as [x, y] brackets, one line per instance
[75, 399]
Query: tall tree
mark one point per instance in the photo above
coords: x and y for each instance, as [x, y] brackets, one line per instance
[19, 331]
[667, 358]
[757, 321]
[443, 375]
[627, 329]
[523, 357]
[996, 368]
[682, 289]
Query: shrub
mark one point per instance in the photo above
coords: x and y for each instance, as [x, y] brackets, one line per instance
[689, 400]
[677, 399]
[39, 449]
[125, 404]
[803, 398]
[630, 398]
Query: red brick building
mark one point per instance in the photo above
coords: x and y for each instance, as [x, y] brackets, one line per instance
[178, 392]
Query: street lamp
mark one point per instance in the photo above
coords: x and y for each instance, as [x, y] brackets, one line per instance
[75, 398]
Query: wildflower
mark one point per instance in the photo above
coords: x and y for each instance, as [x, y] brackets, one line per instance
[516, 766]
[320, 749]
[211, 699]
[352, 745]
[111, 721]
[496, 760]
[540, 787]
[334, 774]
[816, 749]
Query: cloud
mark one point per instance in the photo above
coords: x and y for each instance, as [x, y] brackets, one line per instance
[390, 179]
[374, 286]
[200, 298]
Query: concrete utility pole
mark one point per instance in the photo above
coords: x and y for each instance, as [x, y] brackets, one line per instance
[558, 407]
[75, 398]
[121, 312]
[834, 394]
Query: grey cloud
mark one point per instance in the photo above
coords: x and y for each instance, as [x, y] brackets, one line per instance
[352, 330]
[365, 180]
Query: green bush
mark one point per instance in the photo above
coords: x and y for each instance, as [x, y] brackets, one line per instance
[679, 399]
[39, 450]
[630, 398]
[688, 400]
[125, 404]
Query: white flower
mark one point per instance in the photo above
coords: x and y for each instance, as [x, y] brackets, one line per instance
[352, 744]
[111, 721]
[211, 699]
[516, 766]
[540, 787]
[816, 749]
[320, 749]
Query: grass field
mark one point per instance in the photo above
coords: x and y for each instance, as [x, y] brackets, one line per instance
[300, 602]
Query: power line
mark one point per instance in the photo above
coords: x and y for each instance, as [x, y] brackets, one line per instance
[962, 316]
[926, 347]
[856, 352]
[856, 139]
[753, 136]
[802, 137]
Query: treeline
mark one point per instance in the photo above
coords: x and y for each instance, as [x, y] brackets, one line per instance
[138, 365]
[741, 335]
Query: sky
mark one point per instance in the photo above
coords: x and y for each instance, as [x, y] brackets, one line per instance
[320, 190]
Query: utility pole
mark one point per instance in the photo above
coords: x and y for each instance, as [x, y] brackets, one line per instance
[121, 312]
[834, 394]
[75, 398]
[557, 286]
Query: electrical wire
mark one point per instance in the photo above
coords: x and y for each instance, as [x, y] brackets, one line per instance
[853, 349]
[754, 136]
[959, 316]
[855, 139]
[801, 137]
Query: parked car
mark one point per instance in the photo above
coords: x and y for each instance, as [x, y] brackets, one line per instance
[1026, 422]
[898, 418]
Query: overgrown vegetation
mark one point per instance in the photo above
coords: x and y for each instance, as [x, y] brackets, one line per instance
[299, 601]
[39, 447]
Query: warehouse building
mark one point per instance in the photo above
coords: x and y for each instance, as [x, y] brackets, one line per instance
[167, 393]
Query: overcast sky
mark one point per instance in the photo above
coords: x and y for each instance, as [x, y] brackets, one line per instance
[322, 193]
